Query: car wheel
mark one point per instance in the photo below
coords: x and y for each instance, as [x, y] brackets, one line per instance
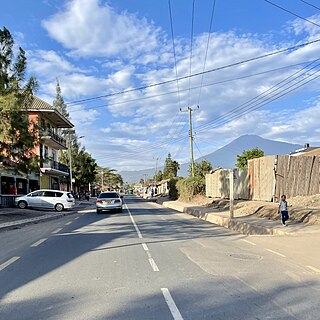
[58, 207]
[22, 204]
[98, 211]
[120, 210]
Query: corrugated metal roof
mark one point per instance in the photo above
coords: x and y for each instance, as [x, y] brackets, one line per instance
[36, 104]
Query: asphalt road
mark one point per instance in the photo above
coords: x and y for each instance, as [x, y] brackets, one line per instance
[151, 263]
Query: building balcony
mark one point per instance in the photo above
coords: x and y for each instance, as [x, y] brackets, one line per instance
[53, 140]
[55, 168]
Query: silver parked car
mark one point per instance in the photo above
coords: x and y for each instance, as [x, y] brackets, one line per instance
[109, 201]
[45, 198]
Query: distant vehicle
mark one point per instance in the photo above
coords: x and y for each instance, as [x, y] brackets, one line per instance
[109, 201]
[45, 198]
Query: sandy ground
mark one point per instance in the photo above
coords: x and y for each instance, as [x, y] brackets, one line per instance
[301, 209]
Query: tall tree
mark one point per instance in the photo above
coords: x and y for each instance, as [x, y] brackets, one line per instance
[201, 168]
[58, 102]
[242, 160]
[17, 135]
[108, 178]
[171, 168]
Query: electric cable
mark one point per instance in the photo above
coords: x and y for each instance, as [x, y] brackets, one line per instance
[196, 74]
[310, 4]
[207, 48]
[292, 13]
[191, 48]
[174, 51]
[182, 90]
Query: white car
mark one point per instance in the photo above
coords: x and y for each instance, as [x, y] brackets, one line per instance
[45, 198]
[109, 201]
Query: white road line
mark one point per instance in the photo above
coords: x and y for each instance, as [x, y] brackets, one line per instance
[133, 222]
[277, 253]
[145, 247]
[68, 223]
[7, 263]
[150, 259]
[247, 241]
[313, 269]
[38, 242]
[171, 304]
[153, 265]
[57, 230]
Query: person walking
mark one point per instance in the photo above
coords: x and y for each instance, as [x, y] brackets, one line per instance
[283, 210]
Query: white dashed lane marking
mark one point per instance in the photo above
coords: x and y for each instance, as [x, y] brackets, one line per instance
[57, 230]
[277, 253]
[313, 269]
[171, 304]
[38, 242]
[7, 263]
[247, 241]
[144, 246]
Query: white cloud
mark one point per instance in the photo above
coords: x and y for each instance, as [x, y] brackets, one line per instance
[135, 53]
[91, 28]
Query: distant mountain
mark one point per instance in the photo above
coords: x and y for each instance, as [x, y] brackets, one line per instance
[226, 156]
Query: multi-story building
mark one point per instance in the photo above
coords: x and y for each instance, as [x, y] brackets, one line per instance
[52, 175]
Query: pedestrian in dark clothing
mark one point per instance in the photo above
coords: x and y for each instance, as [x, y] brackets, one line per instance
[283, 210]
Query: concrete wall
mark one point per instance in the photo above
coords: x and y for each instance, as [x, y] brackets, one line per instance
[261, 178]
[217, 184]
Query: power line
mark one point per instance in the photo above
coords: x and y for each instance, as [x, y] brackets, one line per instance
[174, 51]
[207, 48]
[233, 117]
[261, 104]
[292, 13]
[264, 94]
[191, 48]
[310, 4]
[192, 88]
[195, 74]
[246, 111]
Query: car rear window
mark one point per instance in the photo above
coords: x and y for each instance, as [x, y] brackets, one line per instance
[108, 195]
[69, 195]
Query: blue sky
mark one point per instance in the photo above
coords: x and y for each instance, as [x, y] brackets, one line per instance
[101, 47]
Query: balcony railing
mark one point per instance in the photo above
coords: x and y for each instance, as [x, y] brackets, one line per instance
[53, 135]
[56, 166]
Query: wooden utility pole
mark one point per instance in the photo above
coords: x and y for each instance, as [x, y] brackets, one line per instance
[231, 196]
[191, 137]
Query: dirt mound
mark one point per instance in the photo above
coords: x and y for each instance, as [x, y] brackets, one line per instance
[301, 209]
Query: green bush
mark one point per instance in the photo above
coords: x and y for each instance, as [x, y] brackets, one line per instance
[173, 192]
[189, 187]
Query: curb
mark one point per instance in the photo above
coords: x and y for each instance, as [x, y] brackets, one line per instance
[234, 224]
[47, 217]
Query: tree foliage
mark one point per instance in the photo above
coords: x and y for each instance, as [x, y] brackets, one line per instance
[171, 168]
[17, 135]
[158, 176]
[190, 187]
[58, 102]
[242, 160]
[84, 167]
[201, 168]
[108, 178]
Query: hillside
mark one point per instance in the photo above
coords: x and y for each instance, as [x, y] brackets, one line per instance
[226, 156]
